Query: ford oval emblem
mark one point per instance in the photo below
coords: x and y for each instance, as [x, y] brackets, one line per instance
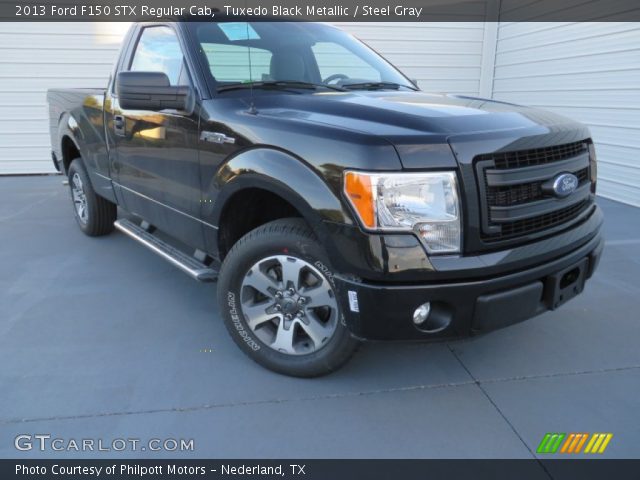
[565, 184]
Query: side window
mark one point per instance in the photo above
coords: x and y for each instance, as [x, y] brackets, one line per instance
[158, 50]
[334, 59]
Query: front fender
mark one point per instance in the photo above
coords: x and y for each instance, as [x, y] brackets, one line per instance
[314, 193]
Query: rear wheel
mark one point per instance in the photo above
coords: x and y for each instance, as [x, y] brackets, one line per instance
[279, 302]
[95, 215]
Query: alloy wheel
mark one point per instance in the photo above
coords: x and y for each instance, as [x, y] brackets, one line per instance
[289, 305]
[79, 198]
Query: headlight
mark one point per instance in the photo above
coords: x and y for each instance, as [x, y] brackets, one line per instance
[425, 203]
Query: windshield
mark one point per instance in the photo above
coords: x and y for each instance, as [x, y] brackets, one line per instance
[282, 54]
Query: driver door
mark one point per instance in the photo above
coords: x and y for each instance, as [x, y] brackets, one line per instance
[157, 160]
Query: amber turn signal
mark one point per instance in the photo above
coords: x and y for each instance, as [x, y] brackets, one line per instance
[359, 191]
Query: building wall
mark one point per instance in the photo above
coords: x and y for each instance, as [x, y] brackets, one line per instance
[33, 58]
[590, 72]
[442, 56]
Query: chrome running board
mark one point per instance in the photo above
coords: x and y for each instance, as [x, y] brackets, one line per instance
[188, 264]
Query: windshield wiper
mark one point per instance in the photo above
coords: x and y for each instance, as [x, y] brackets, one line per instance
[279, 84]
[375, 86]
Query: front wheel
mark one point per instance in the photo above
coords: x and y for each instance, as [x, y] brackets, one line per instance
[279, 302]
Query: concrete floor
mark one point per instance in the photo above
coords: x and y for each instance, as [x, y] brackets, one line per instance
[100, 338]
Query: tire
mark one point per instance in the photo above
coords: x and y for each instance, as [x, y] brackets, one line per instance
[95, 215]
[257, 299]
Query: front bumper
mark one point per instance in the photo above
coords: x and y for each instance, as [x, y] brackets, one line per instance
[462, 308]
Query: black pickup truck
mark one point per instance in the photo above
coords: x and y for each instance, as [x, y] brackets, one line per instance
[331, 199]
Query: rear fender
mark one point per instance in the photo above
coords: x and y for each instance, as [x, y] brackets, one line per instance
[67, 127]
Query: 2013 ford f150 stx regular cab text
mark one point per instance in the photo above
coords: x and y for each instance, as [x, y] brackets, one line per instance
[332, 200]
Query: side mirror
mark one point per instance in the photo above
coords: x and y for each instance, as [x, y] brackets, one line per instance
[415, 82]
[150, 91]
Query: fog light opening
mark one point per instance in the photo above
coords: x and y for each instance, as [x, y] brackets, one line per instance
[421, 313]
[432, 317]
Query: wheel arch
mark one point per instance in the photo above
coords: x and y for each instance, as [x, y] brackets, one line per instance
[68, 151]
[69, 146]
[268, 175]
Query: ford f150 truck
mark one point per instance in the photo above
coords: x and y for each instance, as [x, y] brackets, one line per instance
[331, 199]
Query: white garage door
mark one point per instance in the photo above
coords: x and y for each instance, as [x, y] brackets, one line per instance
[589, 72]
[33, 58]
[442, 56]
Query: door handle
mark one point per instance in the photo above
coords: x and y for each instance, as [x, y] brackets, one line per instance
[119, 125]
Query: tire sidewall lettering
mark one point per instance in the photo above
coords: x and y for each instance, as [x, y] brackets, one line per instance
[234, 314]
[326, 271]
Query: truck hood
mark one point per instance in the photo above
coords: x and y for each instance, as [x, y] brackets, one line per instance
[417, 122]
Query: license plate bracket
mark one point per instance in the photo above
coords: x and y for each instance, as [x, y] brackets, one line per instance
[566, 284]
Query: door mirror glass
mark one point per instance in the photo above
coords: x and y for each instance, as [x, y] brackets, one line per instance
[158, 50]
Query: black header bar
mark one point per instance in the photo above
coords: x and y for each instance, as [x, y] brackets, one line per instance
[584, 469]
[321, 10]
